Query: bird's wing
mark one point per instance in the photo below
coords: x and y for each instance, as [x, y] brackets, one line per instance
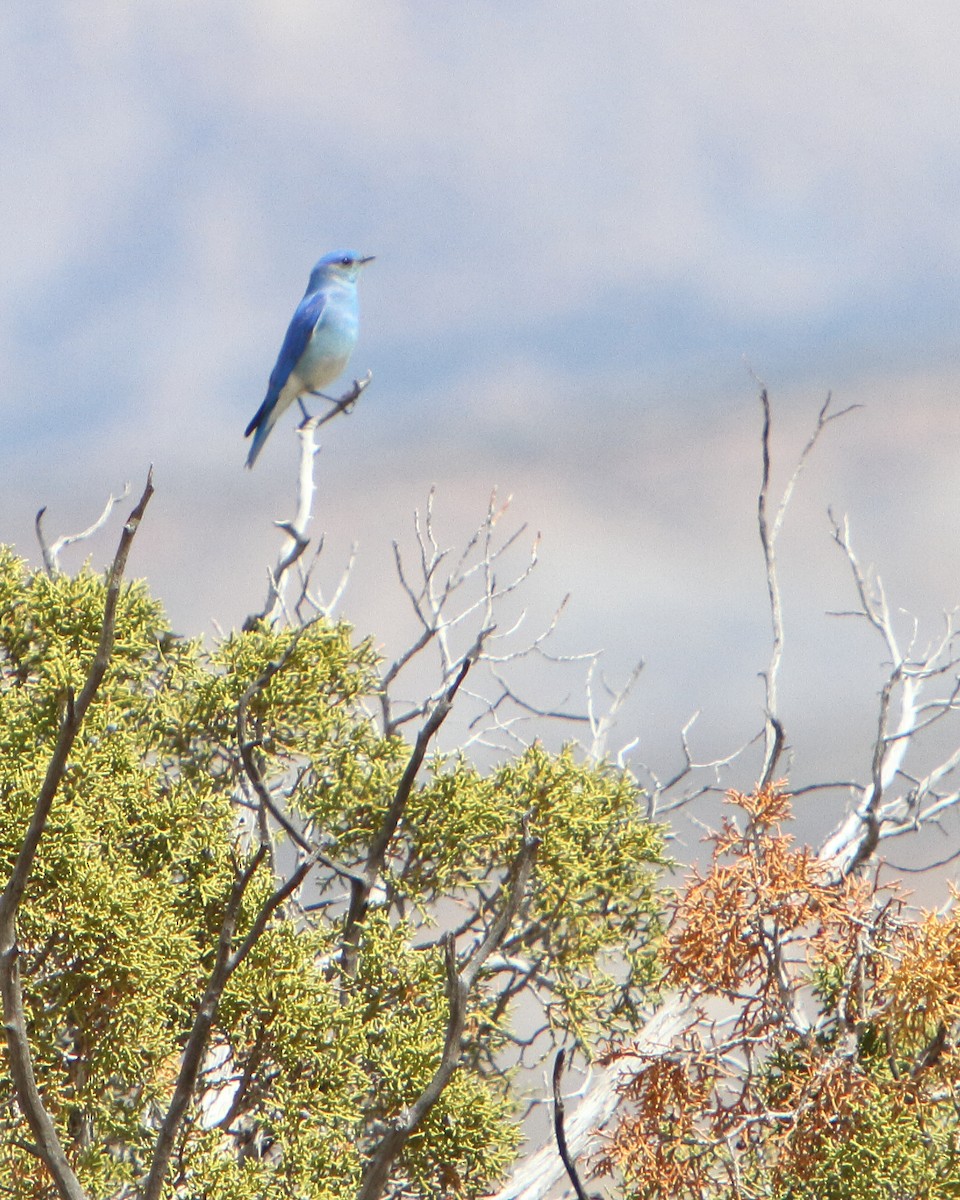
[304, 321]
[301, 327]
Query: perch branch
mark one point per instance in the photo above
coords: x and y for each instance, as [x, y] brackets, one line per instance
[295, 529]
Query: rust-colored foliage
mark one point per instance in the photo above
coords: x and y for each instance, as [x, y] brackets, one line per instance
[732, 925]
[819, 1061]
[667, 1098]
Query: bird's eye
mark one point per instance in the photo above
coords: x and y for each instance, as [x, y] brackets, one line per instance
[346, 261]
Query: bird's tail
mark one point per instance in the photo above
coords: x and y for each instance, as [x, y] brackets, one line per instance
[264, 420]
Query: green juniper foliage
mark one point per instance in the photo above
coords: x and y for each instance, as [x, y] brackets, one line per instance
[307, 1061]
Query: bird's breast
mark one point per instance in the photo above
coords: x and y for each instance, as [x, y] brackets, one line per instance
[328, 350]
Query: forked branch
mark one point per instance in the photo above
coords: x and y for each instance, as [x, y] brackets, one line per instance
[904, 713]
[51, 554]
[295, 529]
[770, 523]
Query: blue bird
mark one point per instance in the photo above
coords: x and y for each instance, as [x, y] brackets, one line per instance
[319, 341]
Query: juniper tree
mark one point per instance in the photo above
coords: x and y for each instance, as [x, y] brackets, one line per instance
[267, 945]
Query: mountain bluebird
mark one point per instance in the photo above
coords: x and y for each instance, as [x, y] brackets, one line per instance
[318, 344]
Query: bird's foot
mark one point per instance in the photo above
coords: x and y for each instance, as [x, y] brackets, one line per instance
[342, 404]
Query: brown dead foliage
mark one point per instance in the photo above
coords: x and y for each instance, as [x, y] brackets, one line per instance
[820, 1006]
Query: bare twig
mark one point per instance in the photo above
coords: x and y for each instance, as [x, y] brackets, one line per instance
[901, 718]
[602, 723]
[295, 529]
[769, 534]
[445, 594]
[659, 800]
[345, 404]
[51, 554]
[540, 1172]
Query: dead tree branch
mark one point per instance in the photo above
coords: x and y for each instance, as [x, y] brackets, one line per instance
[445, 594]
[903, 714]
[538, 1174]
[51, 554]
[559, 1131]
[295, 529]
[769, 527]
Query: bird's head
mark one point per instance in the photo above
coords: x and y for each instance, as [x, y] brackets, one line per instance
[343, 265]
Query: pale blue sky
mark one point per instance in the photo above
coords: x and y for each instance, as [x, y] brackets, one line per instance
[588, 220]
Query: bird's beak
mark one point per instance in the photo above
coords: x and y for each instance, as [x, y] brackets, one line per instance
[369, 258]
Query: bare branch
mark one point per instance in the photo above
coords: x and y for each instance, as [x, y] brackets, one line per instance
[345, 404]
[559, 1131]
[901, 717]
[769, 533]
[601, 725]
[295, 529]
[51, 554]
[540, 1172]
[659, 806]
[447, 595]
[326, 608]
